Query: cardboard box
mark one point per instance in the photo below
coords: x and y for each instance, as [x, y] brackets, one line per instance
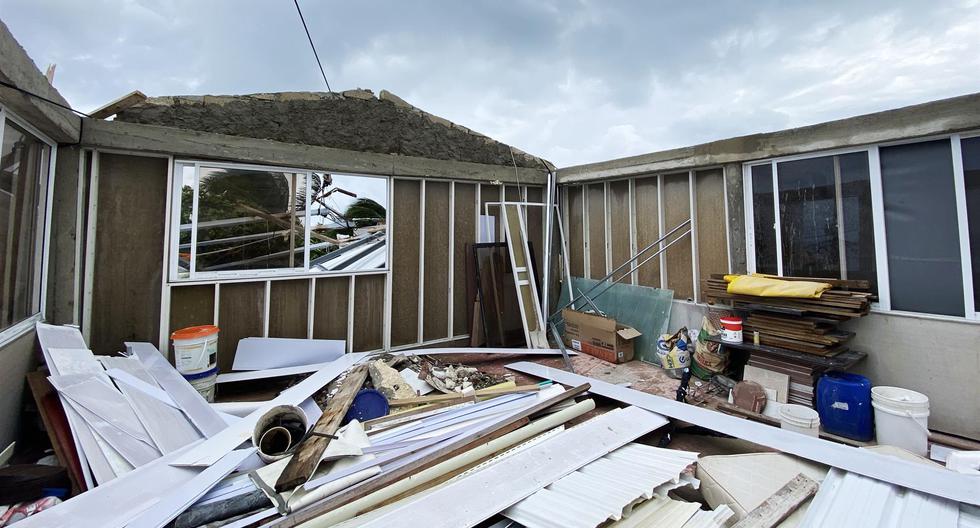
[599, 336]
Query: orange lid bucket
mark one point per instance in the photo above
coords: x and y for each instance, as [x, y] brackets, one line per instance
[194, 332]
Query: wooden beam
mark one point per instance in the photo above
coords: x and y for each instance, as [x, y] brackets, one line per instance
[307, 455]
[781, 504]
[114, 107]
[98, 133]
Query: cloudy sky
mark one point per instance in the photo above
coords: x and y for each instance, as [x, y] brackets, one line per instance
[571, 81]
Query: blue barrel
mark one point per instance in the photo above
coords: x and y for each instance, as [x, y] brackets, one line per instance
[844, 404]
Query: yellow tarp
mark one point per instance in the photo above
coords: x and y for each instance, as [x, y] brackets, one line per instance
[762, 286]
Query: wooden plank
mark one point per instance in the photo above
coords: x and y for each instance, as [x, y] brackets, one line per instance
[128, 266]
[677, 208]
[307, 456]
[464, 235]
[330, 308]
[781, 504]
[241, 308]
[712, 234]
[574, 232]
[364, 488]
[597, 231]
[190, 306]
[192, 143]
[405, 266]
[118, 105]
[619, 220]
[435, 288]
[647, 212]
[288, 305]
[369, 303]
[56, 425]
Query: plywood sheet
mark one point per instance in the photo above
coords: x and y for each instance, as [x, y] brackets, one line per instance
[288, 308]
[241, 308]
[330, 308]
[369, 302]
[677, 208]
[435, 288]
[647, 212]
[619, 226]
[128, 265]
[190, 306]
[464, 234]
[575, 231]
[597, 230]
[405, 266]
[712, 237]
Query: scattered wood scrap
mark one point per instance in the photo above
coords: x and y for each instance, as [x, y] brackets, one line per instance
[781, 504]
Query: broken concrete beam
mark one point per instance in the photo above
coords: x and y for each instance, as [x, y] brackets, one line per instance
[389, 382]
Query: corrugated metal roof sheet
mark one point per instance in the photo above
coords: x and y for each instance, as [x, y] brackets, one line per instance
[969, 516]
[711, 518]
[848, 499]
[603, 490]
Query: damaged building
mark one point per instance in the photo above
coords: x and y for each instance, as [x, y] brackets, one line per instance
[337, 243]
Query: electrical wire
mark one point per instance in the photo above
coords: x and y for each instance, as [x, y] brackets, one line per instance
[41, 97]
[315, 55]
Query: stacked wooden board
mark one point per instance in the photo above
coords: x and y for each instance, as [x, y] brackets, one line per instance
[803, 325]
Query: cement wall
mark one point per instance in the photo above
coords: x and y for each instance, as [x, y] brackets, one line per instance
[16, 360]
[939, 358]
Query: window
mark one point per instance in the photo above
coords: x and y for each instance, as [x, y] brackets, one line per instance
[24, 170]
[918, 242]
[238, 220]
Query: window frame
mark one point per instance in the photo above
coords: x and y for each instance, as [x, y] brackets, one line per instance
[43, 234]
[194, 276]
[883, 305]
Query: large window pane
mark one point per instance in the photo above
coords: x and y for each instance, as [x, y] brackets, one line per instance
[971, 172]
[23, 162]
[924, 266]
[808, 217]
[250, 220]
[352, 209]
[857, 219]
[764, 219]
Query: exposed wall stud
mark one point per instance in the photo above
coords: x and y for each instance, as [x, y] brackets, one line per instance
[266, 308]
[421, 288]
[350, 314]
[693, 208]
[93, 206]
[959, 183]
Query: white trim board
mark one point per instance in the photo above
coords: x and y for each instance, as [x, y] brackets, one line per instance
[260, 353]
[468, 350]
[934, 481]
[477, 497]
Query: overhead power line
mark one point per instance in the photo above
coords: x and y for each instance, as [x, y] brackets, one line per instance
[315, 55]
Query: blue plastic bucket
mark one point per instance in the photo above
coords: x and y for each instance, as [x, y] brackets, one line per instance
[844, 405]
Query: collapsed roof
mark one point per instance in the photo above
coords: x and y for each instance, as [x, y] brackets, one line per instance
[351, 120]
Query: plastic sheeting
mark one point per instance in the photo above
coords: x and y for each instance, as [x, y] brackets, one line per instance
[645, 309]
[763, 286]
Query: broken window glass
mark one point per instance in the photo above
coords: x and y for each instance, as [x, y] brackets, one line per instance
[23, 163]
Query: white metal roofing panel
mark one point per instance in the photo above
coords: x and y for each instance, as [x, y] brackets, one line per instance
[848, 499]
[605, 489]
[716, 518]
[969, 516]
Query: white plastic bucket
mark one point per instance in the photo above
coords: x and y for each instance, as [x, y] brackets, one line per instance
[196, 357]
[799, 419]
[901, 418]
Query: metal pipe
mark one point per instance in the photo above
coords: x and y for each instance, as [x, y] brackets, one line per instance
[628, 262]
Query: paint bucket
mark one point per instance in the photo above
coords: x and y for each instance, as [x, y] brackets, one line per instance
[731, 329]
[196, 357]
[901, 418]
[800, 419]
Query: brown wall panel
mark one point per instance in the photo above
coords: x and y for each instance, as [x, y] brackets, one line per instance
[128, 266]
[619, 220]
[190, 306]
[369, 302]
[677, 208]
[289, 302]
[712, 238]
[330, 313]
[597, 231]
[574, 232]
[405, 266]
[435, 288]
[464, 235]
[491, 193]
[535, 230]
[241, 308]
[647, 228]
